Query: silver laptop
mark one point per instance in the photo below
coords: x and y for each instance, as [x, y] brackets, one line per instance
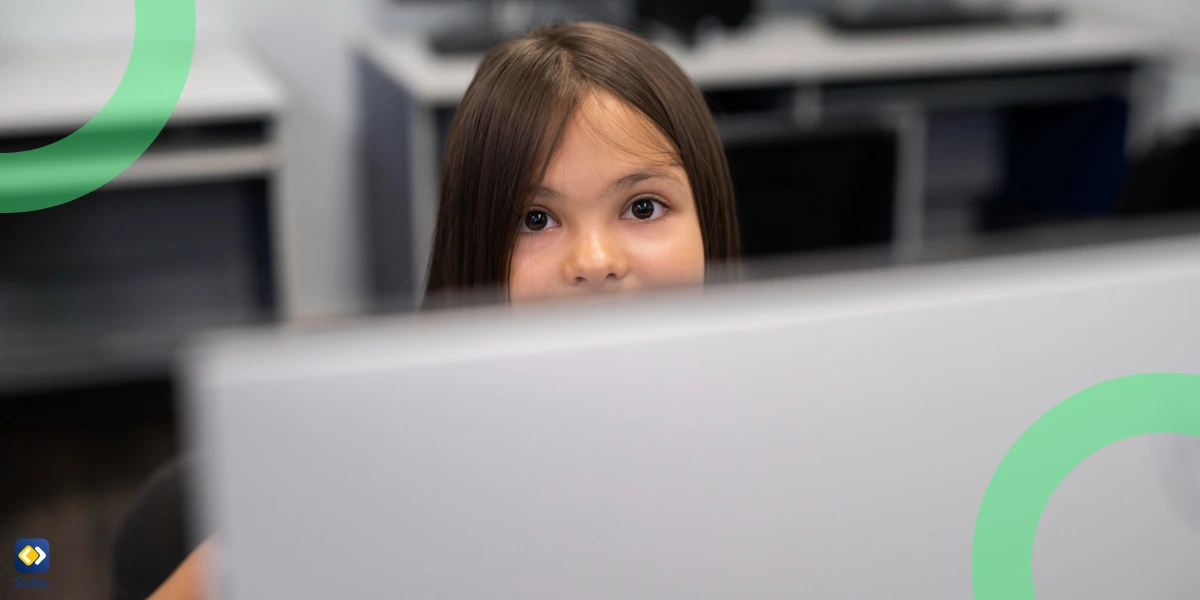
[822, 438]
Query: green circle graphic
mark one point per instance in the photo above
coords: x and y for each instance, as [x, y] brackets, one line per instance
[1002, 549]
[124, 128]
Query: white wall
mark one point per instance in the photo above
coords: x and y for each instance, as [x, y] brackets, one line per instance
[1178, 20]
[1178, 23]
[310, 45]
[52, 22]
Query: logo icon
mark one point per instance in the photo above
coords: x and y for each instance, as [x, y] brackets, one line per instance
[1002, 550]
[32, 555]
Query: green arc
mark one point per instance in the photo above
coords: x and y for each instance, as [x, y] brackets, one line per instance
[1002, 549]
[123, 130]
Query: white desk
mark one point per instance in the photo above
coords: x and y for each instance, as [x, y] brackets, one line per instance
[54, 93]
[819, 70]
[49, 90]
[799, 51]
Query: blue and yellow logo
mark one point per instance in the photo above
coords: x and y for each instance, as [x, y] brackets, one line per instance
[32, 555]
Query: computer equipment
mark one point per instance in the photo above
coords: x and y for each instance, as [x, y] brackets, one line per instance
[817, 438]
[818, 189]
[931, 15]
[499, 20]
[685, 18]
[468, 40]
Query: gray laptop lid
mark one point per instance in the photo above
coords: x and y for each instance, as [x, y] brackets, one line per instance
[824, 438]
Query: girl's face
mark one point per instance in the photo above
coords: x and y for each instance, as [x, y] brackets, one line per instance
[614, 213]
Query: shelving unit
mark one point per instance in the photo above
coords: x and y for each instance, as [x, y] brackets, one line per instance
[106, 287]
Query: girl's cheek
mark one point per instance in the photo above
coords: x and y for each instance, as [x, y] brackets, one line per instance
[533, 259]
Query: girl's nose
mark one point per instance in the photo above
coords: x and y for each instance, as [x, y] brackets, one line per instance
[596, 262]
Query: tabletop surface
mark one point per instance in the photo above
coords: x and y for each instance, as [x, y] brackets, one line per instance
[49, 91]
[799, 50]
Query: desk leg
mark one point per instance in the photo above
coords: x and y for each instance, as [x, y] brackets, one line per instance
[912, 128]
[1147, 107]
[285, 227]
[426, 190]
[396, 188]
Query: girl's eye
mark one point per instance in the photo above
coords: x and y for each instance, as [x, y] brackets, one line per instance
[537, 220]
[645, 209]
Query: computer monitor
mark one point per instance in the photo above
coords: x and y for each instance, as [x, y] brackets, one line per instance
[826, 189]
[822, 438]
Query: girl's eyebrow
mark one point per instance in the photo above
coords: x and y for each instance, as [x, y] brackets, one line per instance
[621, 184]
[637, 177]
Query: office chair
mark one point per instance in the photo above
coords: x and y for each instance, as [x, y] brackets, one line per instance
[1166, 179]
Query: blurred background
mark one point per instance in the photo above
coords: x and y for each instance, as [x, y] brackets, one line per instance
[297, 181]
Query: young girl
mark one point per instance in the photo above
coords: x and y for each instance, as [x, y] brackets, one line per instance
[581, 161]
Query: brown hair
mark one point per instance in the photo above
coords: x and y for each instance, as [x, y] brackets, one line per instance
[513, 116]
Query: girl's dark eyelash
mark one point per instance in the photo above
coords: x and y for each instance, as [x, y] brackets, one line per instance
[533, 209]
[657, 199]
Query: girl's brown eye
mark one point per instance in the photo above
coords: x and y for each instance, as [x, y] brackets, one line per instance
[643, 209]
[536, 220]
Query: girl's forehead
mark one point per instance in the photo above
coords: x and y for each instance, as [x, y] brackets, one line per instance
[608, 133]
